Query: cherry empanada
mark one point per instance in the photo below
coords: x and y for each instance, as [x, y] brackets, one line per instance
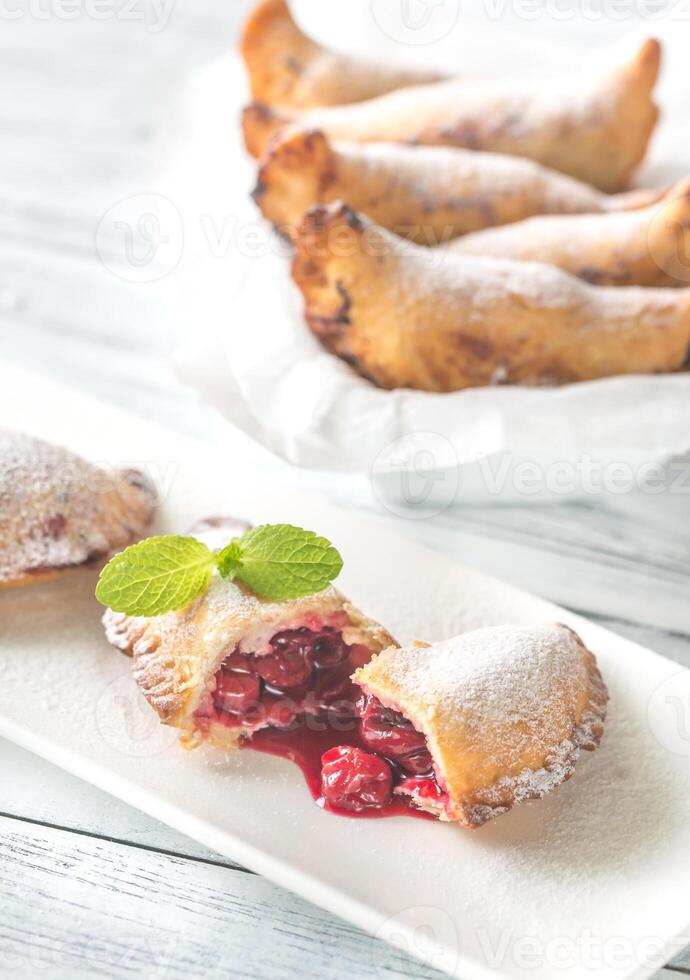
[288, 68]
[231, 664]
[645, 247]
[405, 316]
[597, 132]
[469, 727]
[59, 512]
[429, 194]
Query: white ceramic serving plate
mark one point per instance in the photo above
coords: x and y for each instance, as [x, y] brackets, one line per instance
[591, 881]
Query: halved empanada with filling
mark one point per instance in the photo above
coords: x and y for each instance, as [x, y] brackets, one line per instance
[231, 664]
[474, 725]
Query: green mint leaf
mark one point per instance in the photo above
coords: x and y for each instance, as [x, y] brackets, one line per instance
[279, 561]
[156, 576]
[229, 560]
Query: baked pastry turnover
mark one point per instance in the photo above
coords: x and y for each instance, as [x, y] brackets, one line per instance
[405, 316]
[476, 724]
[645, 247]
[59, 512]
[288, 68]
[231, 664]
[598, 133]
[430, 194]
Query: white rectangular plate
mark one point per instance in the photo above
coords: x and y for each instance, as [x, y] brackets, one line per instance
[591, 881]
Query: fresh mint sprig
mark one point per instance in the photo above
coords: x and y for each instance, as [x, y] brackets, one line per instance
[279, 561]
[161, 574]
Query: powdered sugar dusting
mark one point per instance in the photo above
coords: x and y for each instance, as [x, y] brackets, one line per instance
[58, 510]
[469, 175]
[515, 692]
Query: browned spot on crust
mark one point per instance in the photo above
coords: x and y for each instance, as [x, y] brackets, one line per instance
[351, 217]
[468, 134]
[259, 190]
[330, 328]
[316, 219]
[481, 349]
[591, 274]
[261, 111]
[293, 64]
[55, 526]
[358, 366]
[343, 316]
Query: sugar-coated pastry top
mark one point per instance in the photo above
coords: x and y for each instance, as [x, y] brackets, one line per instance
[505, 710]
[58, 511]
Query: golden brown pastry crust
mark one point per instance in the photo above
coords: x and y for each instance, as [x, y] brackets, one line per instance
[430, 194]
[60, 513]
[506, 711]
[598, 136]
[645, 247]
[176, 656]
[287, 68]
[410, 317]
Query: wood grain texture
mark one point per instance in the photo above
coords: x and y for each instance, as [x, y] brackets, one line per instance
[74, 906]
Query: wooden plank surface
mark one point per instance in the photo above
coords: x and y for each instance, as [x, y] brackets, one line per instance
[72, 905]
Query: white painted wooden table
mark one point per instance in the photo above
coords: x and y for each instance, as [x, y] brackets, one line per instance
[88, 886]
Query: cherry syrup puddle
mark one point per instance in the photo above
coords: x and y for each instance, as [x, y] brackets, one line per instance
[351, 750]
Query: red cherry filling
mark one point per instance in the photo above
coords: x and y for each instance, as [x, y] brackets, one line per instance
[305, 671]
[329, 650]
[392, 734]
[426, 789]
[299, 702]
[335, 691]
[355, 780]
[291, 663]
[236, 693]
